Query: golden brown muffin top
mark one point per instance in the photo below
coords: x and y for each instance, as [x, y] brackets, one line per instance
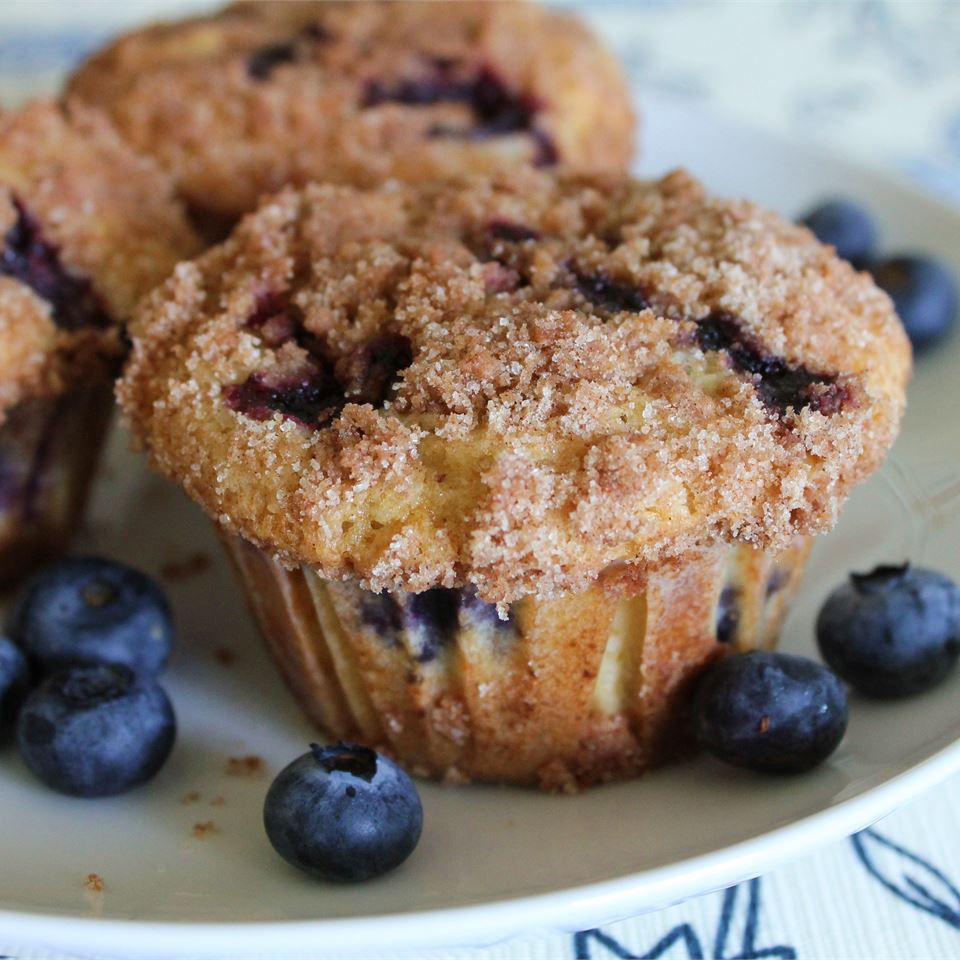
[515, 383]
[260, 95]
[87, 227]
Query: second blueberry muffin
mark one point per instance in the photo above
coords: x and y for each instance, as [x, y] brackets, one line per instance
[503, 463]
[87, 227]
[259, 95]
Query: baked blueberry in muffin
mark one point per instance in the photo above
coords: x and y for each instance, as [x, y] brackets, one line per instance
[259, 95]
[504, 462]
[86, 227]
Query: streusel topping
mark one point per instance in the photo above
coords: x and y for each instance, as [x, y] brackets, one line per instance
[260, 95]
[515, 383]
[86, 227]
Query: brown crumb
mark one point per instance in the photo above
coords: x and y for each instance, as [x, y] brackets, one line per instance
[94, 883]
[202, 830]
[190, 566]
[764, 724]
[191, 797]
[224, 656]
[249, 766]
[218, 801]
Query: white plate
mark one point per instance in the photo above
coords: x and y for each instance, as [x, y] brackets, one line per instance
[493, 862]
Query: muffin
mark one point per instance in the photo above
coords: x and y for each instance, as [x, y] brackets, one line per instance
[259, 95]
[504, 463]
[88, 226]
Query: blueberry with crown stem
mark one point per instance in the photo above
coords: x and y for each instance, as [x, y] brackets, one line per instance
[770, 711]
[893, 632]
[89, 610]
[96, 731]
[343, 813]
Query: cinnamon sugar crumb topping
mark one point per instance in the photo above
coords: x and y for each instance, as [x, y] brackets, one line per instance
[595, 371]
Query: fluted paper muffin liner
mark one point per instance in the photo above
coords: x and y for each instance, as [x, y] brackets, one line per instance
[565, 692]
[49, 449]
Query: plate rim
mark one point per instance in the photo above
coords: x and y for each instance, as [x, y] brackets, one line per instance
[564, 911]
[582, 906]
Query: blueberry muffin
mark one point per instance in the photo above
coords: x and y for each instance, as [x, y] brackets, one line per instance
[87, 227]
[260, 95]
[504, 462]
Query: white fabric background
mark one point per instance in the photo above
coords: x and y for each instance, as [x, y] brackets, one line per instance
[876, 80]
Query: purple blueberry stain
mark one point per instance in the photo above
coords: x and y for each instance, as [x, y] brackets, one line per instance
[500, 278]
[510, 232]
[433, 616]
[272, 305]
[497, 110]
[778, 579]
[546, 153]
[728, 614]
[431, 620]
[364, 374]
[312, 400]
[498, 245]
[382, 614]
[603, 291]
[262, 62]
[481, 612]
[28, 257]
[779, 384]
[367, 373]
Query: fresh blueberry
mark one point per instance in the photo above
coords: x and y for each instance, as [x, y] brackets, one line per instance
[343, 813]
[96, 731]
[14, 682]
[845, 225]
[924, 293]
[770, 711]
[87, 610]
[893, 632]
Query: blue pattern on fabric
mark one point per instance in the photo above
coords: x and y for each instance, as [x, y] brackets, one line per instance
[908, 876]
[599, 945]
